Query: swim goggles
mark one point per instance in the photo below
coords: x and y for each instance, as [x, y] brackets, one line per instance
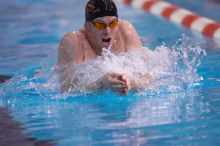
[101, 26]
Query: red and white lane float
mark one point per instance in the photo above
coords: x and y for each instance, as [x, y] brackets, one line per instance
[178, 15]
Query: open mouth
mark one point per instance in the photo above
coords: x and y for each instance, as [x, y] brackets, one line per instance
[106, 40]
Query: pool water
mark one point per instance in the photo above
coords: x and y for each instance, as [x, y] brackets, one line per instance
[187, 115]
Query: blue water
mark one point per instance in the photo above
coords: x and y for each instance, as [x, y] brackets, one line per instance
[31, 32]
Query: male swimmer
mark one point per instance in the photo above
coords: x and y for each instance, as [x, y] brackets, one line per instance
[102, 29]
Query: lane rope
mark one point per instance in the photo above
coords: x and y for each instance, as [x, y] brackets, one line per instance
[178, 15]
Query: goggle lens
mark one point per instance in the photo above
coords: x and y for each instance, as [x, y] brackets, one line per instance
[102, 26]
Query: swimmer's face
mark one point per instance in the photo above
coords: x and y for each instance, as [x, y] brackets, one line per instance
[103, 31]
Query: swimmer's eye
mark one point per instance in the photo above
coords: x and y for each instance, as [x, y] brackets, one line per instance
[102, 26]
[99, 25]
[113, 24]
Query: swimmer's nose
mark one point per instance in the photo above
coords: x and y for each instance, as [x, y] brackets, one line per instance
[107, 30]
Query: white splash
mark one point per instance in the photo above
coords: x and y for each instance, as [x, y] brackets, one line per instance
[171, 68]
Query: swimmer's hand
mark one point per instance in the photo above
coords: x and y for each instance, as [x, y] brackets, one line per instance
[138, 84]
[127, 82]
[121, 83]
[116, 82]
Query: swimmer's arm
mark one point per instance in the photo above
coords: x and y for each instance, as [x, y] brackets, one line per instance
[65, 57]
[95, 86]
[66, 49]
[108, 81]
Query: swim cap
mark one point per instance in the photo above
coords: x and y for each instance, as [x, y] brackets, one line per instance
[100, 8]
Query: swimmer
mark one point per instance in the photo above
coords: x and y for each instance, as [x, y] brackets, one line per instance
[102, 29]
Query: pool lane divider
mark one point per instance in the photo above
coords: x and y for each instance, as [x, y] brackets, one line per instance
[178, 15]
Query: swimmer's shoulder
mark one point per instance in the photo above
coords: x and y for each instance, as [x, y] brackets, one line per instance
[125, 26]
[127, 29]
[130, 35]
[70, 39]
[70, 48]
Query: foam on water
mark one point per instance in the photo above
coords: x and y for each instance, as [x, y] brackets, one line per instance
[171, 68]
